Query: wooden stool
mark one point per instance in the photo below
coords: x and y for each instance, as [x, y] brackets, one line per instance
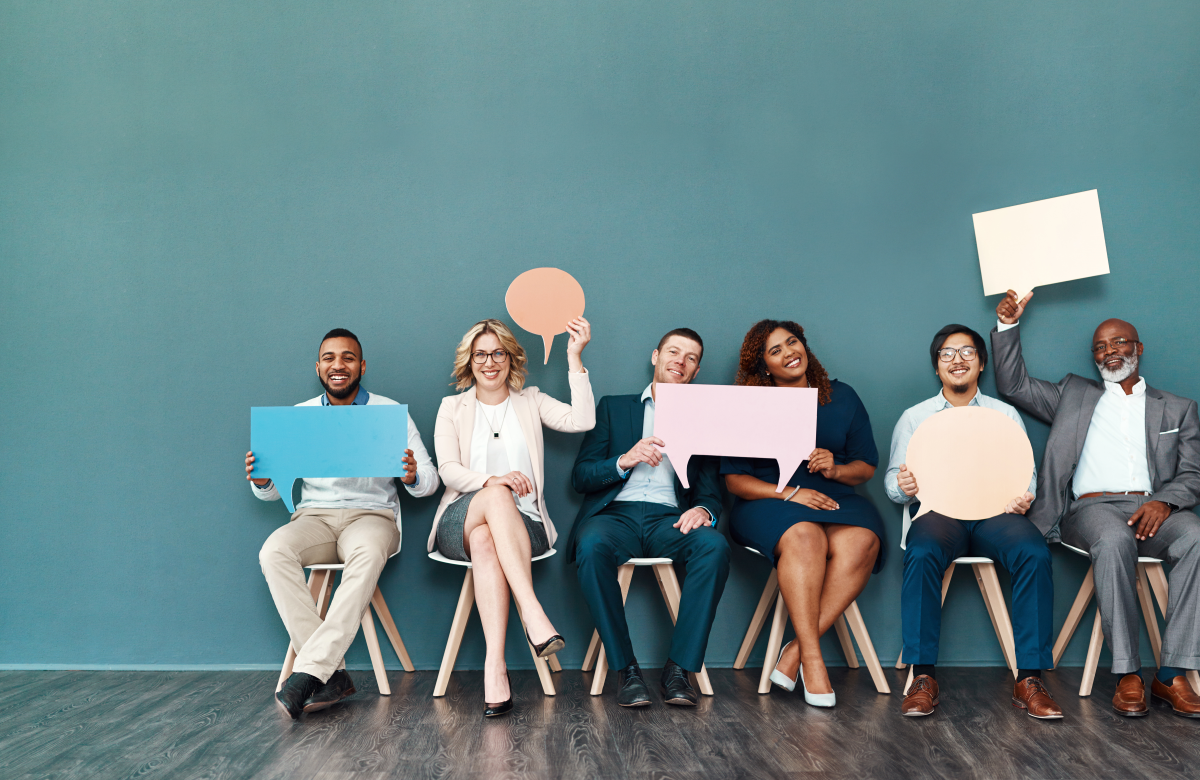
[1150, 577]
[664, 572]
[320, 585]
[849, 621]
[993, 599]
[462, 613]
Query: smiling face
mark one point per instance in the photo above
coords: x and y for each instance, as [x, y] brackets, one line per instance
[340, 367]
[786, 359]
[490, 376]
[959, 376]
[1116, 362]
[677, 362]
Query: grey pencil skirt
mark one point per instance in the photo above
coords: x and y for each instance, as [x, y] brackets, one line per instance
[450, 531]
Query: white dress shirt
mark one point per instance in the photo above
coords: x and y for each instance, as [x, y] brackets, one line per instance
[1114, 453]
[653, 484]
[509, 452]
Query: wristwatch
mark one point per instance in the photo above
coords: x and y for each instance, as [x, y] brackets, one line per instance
[1172, 507]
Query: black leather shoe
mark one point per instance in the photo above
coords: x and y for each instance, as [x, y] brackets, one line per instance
[492, 710]
[675, 686]
[337, 687]
[295, 692]
[549, 647]
[631, 688]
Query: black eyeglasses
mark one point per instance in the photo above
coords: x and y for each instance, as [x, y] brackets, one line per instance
[1119, 345]
[499, 356]
[946, 354]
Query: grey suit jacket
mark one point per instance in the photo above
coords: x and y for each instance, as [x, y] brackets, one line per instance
[1172, 433]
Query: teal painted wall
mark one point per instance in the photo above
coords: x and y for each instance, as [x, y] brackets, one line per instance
[191, 194]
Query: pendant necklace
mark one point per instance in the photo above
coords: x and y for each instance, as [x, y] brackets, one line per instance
[494, 429]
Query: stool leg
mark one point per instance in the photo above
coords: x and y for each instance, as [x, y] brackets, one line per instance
[1082, 599]
[1143, 592]
[843, 635]
[945, 587]
[462, 613]
[593, 652]
[668, 583]
[774, 644]
[1092, 661]
[540, 664]
[316, 580]
[908, 682]
[624, 576]
[389, 628]
[758, 620]
[993, 598]
[372, 640]
[859, 626]
[555, 666]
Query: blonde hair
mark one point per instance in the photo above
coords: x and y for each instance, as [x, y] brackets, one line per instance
[462, 374]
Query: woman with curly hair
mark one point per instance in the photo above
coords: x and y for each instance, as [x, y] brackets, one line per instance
[824, 539]
[488, 441]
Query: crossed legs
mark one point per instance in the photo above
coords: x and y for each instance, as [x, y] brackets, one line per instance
[822, 567]
[496, 541]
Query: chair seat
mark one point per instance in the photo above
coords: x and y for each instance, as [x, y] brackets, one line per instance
[437, 556]
[1141, 558]
[970, 559]
[649, 561]
[339, 566]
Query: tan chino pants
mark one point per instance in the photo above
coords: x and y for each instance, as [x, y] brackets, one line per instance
[363, 539]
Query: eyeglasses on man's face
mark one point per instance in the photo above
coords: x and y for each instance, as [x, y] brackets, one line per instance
[946, 354]
[1118, 345]
[499, 356]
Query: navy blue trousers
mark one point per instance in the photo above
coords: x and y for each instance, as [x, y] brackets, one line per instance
[636, 529]
[934, 541]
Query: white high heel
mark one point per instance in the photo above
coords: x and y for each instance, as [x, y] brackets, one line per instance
[817, 699]
[778, 677]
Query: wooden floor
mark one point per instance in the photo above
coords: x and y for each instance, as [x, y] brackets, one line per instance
[226, 725]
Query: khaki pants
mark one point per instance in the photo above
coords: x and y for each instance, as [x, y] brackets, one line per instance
[363, 539]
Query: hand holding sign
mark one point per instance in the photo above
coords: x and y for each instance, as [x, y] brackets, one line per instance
[969, 463]
[291, 442]
[750, 422]
[544, 301]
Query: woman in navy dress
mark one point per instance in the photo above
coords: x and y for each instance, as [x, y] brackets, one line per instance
[824, 539]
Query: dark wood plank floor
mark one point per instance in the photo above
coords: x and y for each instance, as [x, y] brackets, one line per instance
[226, 725]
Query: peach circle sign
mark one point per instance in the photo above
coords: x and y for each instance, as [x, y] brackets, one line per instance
[969, 462]
[543, 301]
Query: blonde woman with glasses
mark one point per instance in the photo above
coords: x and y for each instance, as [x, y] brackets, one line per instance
[488, 441]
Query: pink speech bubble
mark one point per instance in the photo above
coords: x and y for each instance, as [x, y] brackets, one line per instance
[543, 301]
[741, 422]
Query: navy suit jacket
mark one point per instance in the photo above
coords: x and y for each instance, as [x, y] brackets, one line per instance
[618, 427]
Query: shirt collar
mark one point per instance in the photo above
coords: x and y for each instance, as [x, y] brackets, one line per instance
[359, 400]
[1115, 387]
[647, 393]
[941, 403]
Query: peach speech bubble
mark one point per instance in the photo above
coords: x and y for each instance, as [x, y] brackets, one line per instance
[543, 301]
[969, 462]
[746, 422]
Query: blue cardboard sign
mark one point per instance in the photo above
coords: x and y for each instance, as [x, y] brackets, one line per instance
[293, 442]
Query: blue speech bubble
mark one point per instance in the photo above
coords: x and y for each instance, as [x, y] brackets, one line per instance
[293, 442]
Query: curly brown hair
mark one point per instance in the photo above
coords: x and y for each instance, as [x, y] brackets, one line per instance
[752, 366]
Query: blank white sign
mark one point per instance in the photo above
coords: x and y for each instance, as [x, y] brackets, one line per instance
[1039, 243]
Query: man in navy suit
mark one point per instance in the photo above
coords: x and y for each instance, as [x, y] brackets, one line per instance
[634, 506]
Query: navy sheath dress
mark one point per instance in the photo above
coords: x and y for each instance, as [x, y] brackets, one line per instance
[844, 429]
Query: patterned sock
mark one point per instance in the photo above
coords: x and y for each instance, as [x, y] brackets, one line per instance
[1167, 674]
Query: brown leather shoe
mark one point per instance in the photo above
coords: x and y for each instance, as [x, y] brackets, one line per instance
[1179, 695]
[1031, 695]
[922, 697]
[1130, 698]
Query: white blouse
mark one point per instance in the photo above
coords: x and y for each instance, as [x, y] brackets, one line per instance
[498, 456]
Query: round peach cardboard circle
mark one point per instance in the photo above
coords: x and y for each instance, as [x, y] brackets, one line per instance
[543, 301]
[969, 462]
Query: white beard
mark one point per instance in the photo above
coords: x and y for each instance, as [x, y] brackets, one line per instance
[1129, 364]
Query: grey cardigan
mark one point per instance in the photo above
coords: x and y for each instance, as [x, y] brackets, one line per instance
[1172, 433]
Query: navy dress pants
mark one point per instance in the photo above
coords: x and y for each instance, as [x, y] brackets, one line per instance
[934, 541]
[636, 529]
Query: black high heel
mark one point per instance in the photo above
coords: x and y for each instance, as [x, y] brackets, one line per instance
[549, 647]
[494, 710]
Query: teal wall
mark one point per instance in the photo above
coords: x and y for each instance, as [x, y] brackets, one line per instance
[192, 193]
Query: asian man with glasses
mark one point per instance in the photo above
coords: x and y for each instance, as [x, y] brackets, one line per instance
[933, 541]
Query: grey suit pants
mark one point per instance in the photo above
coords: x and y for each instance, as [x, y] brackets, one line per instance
[1099, 525]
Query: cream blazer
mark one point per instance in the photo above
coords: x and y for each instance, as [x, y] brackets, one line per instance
[456, 423]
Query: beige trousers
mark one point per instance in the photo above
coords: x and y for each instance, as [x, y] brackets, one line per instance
[363, 539]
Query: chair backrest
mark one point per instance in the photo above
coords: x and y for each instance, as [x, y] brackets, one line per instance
[437, 556]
